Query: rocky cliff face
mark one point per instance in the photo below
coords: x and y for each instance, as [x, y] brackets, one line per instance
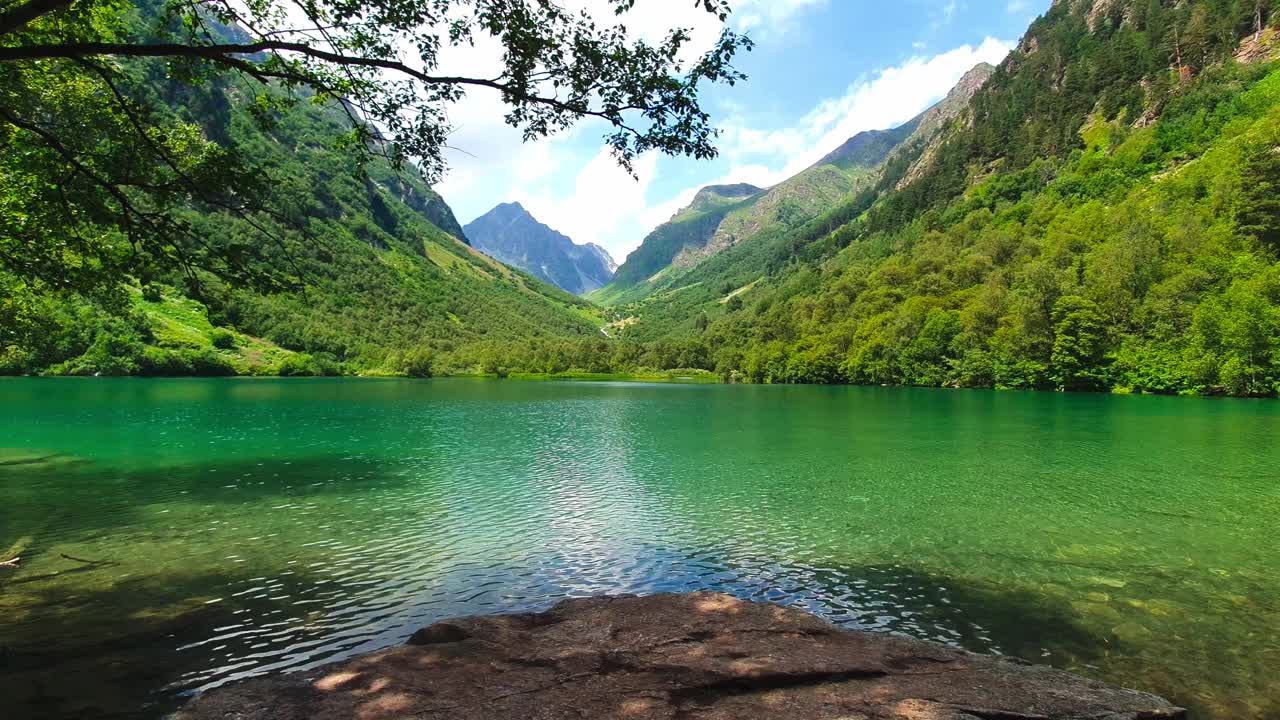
[935, 118]
[955, 102]
[701, 655]
[509, 233]
[870, 148]
[431, 206]
[602, 255]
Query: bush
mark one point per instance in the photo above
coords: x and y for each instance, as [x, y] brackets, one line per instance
[111, 353]
[298, 365]
[222, 339]
[161, 362]
[207, 363]
[418, 362]
[304, 365]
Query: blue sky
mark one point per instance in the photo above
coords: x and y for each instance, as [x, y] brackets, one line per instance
[821, 71]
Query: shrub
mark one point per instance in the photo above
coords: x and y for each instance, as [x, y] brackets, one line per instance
[418, 362]
[304, 365]
[298, 365]
[111, 353]
[222, 339]
[207, 363]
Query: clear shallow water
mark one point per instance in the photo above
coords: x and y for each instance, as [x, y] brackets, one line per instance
[178, 534]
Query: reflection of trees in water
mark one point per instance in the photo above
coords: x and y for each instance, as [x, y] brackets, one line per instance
[68, 498]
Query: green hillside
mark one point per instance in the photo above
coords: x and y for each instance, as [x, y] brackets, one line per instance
[1097, 220]
[689, 229]
[370, 269]
[666, 260]
[1097, 213]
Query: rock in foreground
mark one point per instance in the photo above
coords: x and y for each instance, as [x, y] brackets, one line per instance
[701, 655]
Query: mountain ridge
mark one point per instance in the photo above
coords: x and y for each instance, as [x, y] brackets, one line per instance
[788, 204]
[511, 234]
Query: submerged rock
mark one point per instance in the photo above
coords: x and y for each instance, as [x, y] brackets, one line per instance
[26, 459]
[700, 655]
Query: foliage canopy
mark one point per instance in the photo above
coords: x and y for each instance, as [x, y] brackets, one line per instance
[103, 148]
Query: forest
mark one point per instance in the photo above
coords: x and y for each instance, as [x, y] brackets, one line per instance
[1103, 221]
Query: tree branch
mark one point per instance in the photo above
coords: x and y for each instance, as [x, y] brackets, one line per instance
[222, 53]
[193, 188]
[18, 17]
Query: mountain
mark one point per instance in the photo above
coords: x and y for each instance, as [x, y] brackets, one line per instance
[1093, 217]
[871, 147]
[924, 141]
[955, 103]
[509, 233]
[1098, 213]
[383, 279]
[687, 231]
[708, 227]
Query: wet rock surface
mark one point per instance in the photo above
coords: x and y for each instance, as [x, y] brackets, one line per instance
[695, 656]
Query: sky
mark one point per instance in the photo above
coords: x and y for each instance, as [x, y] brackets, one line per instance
[821, 71]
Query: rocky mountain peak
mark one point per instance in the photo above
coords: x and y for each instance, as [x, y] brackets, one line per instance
[510, 233]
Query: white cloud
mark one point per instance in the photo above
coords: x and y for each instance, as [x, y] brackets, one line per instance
[487, 158]
[604, 199]
[768, 17]
[1017, 6]
[946, 14]
[884, 99]
[571, 184]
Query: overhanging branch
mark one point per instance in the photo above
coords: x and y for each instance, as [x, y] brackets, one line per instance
[18, 17]
[225, 54]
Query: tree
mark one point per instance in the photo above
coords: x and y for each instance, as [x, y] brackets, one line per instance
[97, 168]
[924, 361]
[1258, 211]
[1079, 344]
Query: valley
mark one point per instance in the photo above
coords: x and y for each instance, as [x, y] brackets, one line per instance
[1020, 233]
[896, 361]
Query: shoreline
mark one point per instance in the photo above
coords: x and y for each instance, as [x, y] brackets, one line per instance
[668, 655]
[681, 377]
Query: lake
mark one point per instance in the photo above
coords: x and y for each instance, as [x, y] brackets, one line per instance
[180, 534]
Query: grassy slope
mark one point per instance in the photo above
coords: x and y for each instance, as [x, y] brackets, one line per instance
[754, 220]
[762, 232]
[669, 260]
[691, 228]
[672, 253]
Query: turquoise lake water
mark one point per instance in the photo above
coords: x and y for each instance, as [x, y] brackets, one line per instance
[180, 534]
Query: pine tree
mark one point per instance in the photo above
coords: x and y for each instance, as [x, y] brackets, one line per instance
[1258, 213]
